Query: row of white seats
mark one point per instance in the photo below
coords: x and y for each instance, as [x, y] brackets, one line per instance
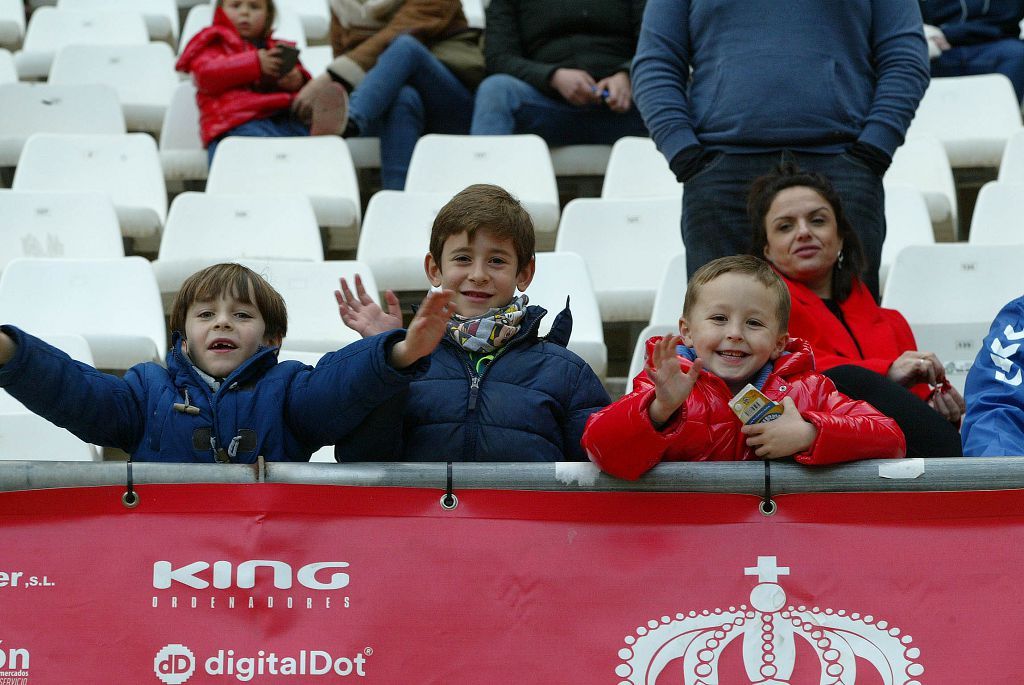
[106, 21]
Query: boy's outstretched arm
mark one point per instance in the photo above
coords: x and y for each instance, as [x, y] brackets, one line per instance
[425, 330]
[785, 436]
[671, 385]
[7, 348]
[364, 316]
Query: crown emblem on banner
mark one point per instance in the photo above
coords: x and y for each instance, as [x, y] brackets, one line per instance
[768, 630]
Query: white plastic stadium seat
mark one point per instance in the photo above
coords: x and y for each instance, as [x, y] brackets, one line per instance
[12, 23]
[32, 438]
[161, 16]
[58, 224]
[395, 237]
[562, 275]
[308, 290]
[626, 245]
[126, 167]
[8, 74]
[998, 217]
[51, 28]
[668, 301]
[475, 14]
[1012, 168]
[315, 16]
[922, 162]
[27, 108]
[142, 75]
[112, 303]
[636, 362]
[319, 167]
[637, 169]
[973, 116]
[204, 229]
[521, 164]
[949, 293]
[287, 27]
[907, 223]
[580, 160]
[182, 154]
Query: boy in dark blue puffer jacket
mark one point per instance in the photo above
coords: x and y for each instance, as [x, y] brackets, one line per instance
[495, 390]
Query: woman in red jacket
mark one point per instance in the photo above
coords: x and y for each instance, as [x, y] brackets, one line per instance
[246, 82]
[869, 352]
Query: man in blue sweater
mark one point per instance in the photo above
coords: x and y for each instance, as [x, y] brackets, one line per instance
[832, 84]
[968, 37]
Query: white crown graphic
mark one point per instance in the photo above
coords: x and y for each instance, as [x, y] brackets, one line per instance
[769, 630]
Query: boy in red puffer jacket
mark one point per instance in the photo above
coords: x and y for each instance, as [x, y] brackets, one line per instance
[246, 82]
[733, 333]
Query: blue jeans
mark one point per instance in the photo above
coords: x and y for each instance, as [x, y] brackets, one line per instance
[714, 217]
[506, 105]
[407, 93]
[278, 126]
[1004, 56]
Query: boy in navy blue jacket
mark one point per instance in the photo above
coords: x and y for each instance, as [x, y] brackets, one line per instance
[223, 396]
[495, 390]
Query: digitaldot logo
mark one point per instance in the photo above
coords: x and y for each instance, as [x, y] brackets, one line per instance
[174, 664]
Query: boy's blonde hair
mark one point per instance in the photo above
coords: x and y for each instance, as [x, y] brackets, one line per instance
[271, 15]
[484, 206]
[236, 281]
[747, 265]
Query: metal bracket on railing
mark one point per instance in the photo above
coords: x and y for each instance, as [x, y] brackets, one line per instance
[261, 469]
[767, 505]
[448, 500]
[130, 498]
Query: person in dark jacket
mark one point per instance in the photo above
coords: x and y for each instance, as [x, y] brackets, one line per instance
[495, 390]
[223, 397]
[560, 69]
[728, 89]
[967, 37]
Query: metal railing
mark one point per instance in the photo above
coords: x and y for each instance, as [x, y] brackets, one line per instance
[896, 475]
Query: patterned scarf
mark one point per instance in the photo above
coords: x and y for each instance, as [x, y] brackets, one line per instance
[489, 331]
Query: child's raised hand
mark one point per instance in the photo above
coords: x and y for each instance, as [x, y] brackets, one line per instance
[783, 437]
[270, 62]
[364, 316]
[671, 385]
[425, 330]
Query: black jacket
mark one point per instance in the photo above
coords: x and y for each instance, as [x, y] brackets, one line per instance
[968, 22]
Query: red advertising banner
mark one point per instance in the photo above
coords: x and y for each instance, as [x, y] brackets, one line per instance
[298, 584]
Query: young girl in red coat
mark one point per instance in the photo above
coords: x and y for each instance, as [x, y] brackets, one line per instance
[733, 333]
[246, 83]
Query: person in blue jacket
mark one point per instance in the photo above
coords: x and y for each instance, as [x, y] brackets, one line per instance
[223, 396]
[968, 37]
[729, 89]
[496, 390]
[994, 423]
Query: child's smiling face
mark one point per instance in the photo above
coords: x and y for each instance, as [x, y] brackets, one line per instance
[734, 328]
[221, 334]
[482, 271]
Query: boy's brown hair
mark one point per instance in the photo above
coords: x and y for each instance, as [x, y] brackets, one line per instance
[271, 16]
[484, 206]
[238, 281]
[747, 265]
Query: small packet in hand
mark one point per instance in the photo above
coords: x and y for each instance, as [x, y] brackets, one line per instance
[753, 406]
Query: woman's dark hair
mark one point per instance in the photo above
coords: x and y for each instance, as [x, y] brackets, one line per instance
[788, 175]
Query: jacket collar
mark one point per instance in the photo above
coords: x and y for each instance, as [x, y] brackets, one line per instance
[182, 368]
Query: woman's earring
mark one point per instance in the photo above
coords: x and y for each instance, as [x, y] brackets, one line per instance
[839, 264]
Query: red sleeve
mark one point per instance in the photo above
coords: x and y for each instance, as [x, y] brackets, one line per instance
[848, 430]
[621, 439]
[215, 68]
